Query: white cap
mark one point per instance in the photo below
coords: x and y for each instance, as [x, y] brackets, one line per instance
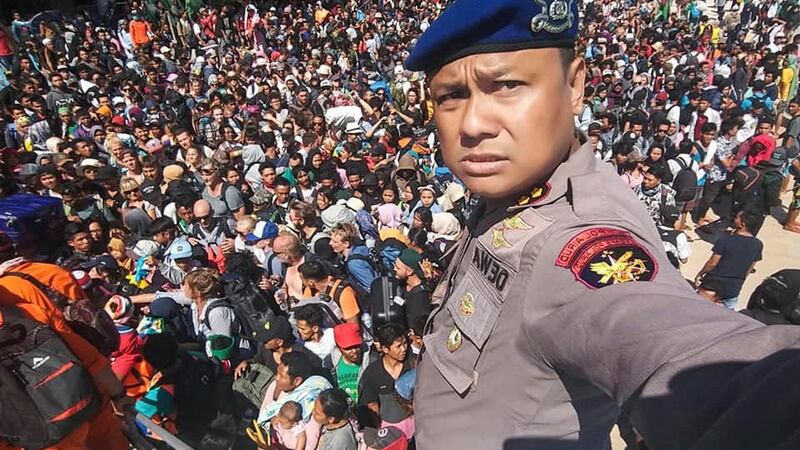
[89, 162]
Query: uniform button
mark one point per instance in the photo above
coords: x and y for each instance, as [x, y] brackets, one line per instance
[454, 340]
[467, 304]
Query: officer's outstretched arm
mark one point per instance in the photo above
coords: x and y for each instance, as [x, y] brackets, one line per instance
[690, 373]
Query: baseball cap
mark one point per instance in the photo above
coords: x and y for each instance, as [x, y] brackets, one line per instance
[662, 97]
[347, 335]
[670, 214]
[104, 261]
[261, 197]
[264, 230]
[278, 327]
[325, 83]
[412, 259]
[378, 149]
[387, 438]
[81, 277]
[153, 146]
[180, 249]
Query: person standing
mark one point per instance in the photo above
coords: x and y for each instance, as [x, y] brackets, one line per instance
[408, 268]
[560, 286]
[733, 258]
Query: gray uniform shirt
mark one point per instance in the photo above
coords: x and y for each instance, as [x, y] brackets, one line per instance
[557, 313]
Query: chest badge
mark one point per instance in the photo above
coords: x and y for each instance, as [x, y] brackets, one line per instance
[467, 304]
[454, 340]
[511, 223]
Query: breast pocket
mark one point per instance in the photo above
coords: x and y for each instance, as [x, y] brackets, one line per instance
[475, 305]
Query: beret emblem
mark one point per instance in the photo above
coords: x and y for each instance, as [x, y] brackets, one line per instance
[554, 18]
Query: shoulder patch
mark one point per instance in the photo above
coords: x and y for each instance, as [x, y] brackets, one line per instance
[600, 257]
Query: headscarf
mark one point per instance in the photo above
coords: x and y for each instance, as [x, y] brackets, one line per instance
[390, 215]
[445, 226]
[336, 214]
[451, 196]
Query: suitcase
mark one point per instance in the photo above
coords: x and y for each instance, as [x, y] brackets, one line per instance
[385, 302]
[30, 220]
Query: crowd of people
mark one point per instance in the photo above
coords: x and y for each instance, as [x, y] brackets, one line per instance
[256, 197]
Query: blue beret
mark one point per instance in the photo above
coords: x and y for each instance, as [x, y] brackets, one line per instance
[469, 27]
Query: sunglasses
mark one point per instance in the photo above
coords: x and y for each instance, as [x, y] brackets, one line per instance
[207, 171]
[129, 192]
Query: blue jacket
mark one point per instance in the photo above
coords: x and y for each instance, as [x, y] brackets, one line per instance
[359, 267]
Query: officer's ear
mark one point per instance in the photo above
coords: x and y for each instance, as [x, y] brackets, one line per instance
[576, 82]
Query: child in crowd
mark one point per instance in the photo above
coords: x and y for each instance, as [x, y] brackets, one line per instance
[289, 427]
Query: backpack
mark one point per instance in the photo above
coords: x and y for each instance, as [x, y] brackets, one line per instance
[47, 393]
[374, 263]
[92, 323]
[781, 291]
[383, 255]
[197, 396]
[248, 205]
[685, 182]
[215, 256]
[251, 307]
[670, 236]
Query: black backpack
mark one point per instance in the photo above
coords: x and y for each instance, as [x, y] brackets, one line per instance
[47, 393]
[198, 396]
[780, 291]
[250, 305]
[685, 183]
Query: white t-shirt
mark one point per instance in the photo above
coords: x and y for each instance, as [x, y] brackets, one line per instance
[324, 347]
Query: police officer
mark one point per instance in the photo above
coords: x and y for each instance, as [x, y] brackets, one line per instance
[562, 308]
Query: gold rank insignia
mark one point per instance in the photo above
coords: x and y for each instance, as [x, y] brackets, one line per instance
[454, 340]
[511, 223]
[534, 196]
[467, 304]
[620, 270]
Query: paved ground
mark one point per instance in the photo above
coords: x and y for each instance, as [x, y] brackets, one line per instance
[780, 252]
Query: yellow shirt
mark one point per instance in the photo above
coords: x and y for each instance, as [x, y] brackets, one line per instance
[787, 75]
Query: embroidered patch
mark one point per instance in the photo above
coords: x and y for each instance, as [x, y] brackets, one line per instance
[600, 257]
[511, 223]
[534, 196]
